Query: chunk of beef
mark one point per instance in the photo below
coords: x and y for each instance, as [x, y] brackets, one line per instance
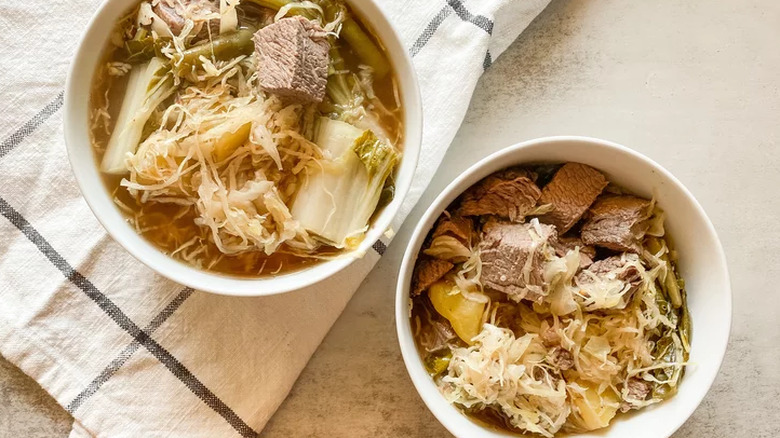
[427, 272]
[565, 244]
[550, 337]
[507, 314]
[173, 13]
[618, 223]
[560, 358]
[451, 239]
[510, 194]
[618, 264]
[516, 172]
[456, 226]
[293, 59]
[599, 280]
[637, 390]
[513, 258]
[436, 334]
[570, 192]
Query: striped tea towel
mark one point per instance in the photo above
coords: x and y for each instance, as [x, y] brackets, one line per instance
[129, 353]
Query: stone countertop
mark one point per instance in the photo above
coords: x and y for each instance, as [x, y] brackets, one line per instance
[694, 85]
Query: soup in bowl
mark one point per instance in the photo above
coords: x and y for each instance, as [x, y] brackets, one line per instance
[248, 147]
[563, 286]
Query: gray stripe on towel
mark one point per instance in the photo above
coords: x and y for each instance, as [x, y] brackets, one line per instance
[122, 320]
[379, 247]
[28, 128]
[480, 21]
[128, 352]
[429, 30]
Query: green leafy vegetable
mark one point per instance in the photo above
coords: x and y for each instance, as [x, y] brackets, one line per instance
[143, 47]
[668, 349]
[342, 191]
[437, 363]
[148, 85]
[378, 157]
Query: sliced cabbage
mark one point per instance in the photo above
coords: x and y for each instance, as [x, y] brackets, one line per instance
[593, 409]
[503, 371]
[148, 86]
[448, 248]
[341, 192]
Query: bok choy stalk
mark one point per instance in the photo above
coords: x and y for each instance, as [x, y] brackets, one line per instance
[340, 195]
[148, 85]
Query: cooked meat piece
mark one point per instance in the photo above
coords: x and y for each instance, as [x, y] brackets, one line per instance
[456, 226]
[616, 263]
[550, 337]
[516, 172]
[505, 251]
[170, 16]
[637, 390]
[572, 190]
[172, 12]
[293, 59]
[436, 335]
[599, 280]
[427, 272]
[561, 359]
[565, 244]
[451, 239]
[510, 194]
[508, 315]
[617, 222]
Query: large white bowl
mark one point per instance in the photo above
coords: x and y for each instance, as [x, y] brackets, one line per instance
[701, 262]
[76, 122]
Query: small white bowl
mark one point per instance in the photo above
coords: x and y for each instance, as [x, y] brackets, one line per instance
[701, 262]
[82, 160]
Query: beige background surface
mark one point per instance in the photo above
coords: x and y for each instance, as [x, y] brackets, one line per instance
[694, 85]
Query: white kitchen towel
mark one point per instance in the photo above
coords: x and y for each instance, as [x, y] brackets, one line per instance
[125, 351]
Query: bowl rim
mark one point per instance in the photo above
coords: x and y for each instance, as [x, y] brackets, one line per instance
[447, 414]
[215, 282]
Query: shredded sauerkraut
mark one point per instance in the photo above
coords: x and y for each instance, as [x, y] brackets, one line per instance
[236, 197]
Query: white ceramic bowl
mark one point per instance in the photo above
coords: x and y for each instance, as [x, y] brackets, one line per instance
[76, 122]
[701, 262]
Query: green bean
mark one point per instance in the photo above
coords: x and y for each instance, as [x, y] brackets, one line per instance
[222, 47]
[670, 284]
[366, 50]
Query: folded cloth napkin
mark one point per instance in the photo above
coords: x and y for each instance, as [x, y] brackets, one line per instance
[127, 352]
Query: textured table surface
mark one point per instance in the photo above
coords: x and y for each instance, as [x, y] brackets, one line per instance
[694, 85]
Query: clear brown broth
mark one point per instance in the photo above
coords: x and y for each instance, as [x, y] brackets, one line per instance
[167, 228]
